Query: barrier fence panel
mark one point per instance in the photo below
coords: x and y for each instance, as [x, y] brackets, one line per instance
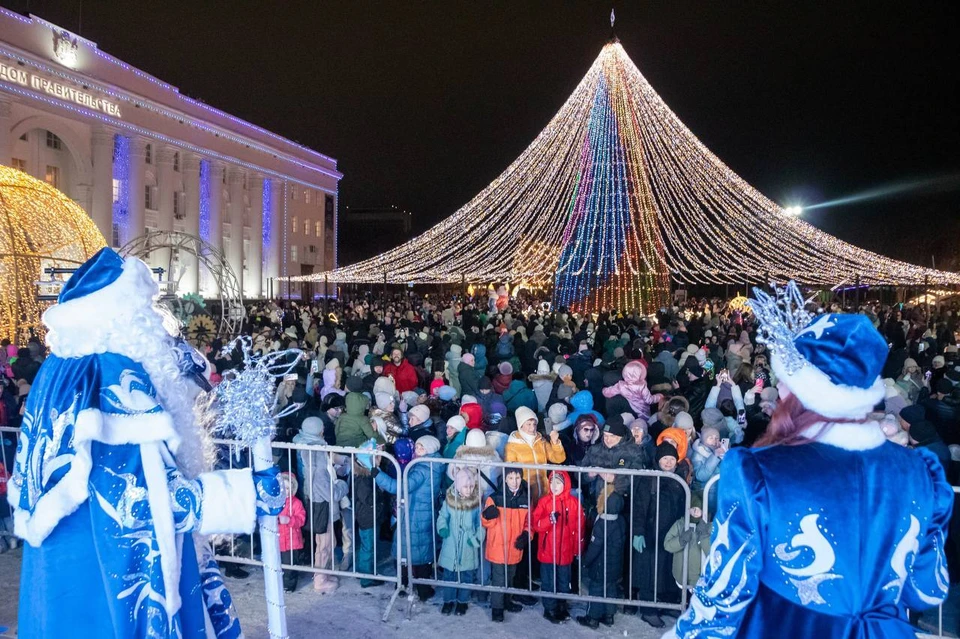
[621, 558]
[334, 485]
[8, 452]
[940, 633]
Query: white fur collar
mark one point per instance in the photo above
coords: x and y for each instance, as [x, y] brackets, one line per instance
[859, 436]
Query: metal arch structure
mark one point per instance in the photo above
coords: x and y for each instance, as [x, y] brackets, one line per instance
[176, 243]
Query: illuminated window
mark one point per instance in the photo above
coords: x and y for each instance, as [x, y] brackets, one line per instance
[306, 227]
[116, 190]
[293, 252]
[316, 227]
[20, 164]
[295, 223]
[53, 176]
[53, 141]
[306, 196]
[148, 154]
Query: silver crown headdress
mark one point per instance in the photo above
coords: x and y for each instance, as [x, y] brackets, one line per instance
[782, 316]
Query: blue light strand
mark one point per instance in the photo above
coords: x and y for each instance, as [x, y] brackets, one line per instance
[121, 173]
[267, 229]
[204, 227]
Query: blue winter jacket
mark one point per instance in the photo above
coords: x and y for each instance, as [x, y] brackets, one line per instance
[424, 483]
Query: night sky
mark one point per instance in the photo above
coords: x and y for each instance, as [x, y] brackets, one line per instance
[424, 103]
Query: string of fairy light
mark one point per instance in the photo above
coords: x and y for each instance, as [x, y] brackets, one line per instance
[42, 228]
[629, 189]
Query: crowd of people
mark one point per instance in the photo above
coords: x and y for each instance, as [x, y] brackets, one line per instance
[471, 389]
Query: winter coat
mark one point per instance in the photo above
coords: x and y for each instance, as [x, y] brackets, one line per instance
[450, 450]
[697, 393]
[482, 454]
[423, 485]
[479, 358]
[541, 451]
[576, 450]
[559, 542]
[670, 366]
[394, 428]
[668, 494]
[542, 388]
[364, 495]
[502, 532]
[700, 544]
[461, 518]
[504, 350]
[353, 426]
[706, 464]
[501, 382]
[291, 533]
[404, 376]
[634, 389]
[581, 403]
[453, 367]
[579, 364]
[321, 484]
[469, 379]
[603, 560]
[518, 395]
[626, 454]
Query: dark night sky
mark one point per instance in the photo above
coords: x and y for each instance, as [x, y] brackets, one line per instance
[423, 103]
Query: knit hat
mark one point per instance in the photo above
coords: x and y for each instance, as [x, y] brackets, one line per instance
[484, 383]
[312, 426]
[770, 394]
[468, 399]
[913, 414]
[385, 384]
[457, 423]
[712, 417]
[708, 430]
[695, 369]
[468, 359]
[383, 400]
[447, 393]
[938, 362]
[832, 365]
[684, 421]
[354, 384]
[430, 444]
[565, 371]
[923, 432]
[421, 412]
[505, 368]
[465, 481]
[543, 367]
[523, 414]
[557, 413]
[476, 438]
[615, 426]
[410, 397]
[666, 449]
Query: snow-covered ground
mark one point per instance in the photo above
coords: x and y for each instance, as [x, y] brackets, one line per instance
[356, 613]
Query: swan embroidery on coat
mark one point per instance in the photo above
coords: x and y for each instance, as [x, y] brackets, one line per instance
[809, 577]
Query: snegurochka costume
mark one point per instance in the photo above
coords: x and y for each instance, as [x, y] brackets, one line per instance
[832, 539]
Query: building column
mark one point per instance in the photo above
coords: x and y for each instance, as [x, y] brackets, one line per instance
[190, 165]
[6, 119]
[165, 195]
[235, 176]
[135, 179]
[215, 186]
[254, 278]
[102, 142]
[281, 253]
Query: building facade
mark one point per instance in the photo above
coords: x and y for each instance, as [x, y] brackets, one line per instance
[139, 156]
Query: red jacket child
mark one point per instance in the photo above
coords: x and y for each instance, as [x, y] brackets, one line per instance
[561, 524]
[291, 519]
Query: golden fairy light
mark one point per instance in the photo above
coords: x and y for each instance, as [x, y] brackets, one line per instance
[691, 218]
[41, 228]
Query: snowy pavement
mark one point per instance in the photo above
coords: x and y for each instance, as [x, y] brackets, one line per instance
[356, 613]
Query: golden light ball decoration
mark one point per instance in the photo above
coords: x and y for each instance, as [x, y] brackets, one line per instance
[41, 228]
[738, 304]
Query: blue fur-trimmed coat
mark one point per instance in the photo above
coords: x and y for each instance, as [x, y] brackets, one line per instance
[813, 540]
[107, 515]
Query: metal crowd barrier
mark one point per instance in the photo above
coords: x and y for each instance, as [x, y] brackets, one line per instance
[318, 556]
[640, 484]
[940, 634]
[8, 453]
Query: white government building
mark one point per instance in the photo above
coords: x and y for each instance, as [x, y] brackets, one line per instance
[140, 156]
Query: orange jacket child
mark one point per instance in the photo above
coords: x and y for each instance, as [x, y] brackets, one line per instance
[505, 516]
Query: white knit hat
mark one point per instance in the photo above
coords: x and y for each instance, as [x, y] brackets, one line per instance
[476, 438]
[457, 423]
[523, 414]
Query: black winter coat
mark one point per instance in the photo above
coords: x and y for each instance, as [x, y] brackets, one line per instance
[603, 560]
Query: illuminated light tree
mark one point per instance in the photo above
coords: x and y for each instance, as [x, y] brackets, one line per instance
[613, 200]
[42, 228]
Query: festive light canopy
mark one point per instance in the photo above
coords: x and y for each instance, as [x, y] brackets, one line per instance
[613, 199]
[40, 228]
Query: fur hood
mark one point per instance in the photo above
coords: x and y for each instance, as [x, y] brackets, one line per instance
[477, 453]
[456, 502]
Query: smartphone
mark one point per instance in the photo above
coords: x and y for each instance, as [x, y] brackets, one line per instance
[725, 442]
[315, 366]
